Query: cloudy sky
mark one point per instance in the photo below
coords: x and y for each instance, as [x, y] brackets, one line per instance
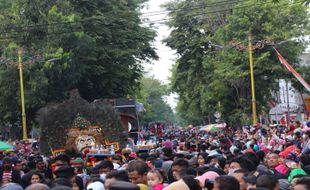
[160, 69]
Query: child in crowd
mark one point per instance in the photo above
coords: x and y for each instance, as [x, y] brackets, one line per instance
[155, 180]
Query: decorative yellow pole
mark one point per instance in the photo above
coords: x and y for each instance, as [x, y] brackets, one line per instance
[20, 64]
[252, 80]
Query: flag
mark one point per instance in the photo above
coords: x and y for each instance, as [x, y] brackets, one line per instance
[292, 70]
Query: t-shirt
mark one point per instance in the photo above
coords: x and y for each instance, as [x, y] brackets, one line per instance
[7, 177]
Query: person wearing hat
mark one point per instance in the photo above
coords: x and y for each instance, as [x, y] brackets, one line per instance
[295, 175]
[207, 176]
[97, 185]
[67, 173]
[79, 169]
[178, 185]
[252, 177]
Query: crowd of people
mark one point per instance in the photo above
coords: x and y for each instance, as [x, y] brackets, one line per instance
[255, 157]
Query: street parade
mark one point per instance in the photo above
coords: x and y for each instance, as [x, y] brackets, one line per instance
[154, 95]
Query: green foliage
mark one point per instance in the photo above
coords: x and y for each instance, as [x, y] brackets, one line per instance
[151, 94]
[95, 46]
[209, 79]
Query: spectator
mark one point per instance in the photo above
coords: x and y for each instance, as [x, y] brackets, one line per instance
[302, 184]
[37, 186]
[8, 174]
[239, 174]
[121, 175]
[226, 183]
[137, 171]
[267, 181]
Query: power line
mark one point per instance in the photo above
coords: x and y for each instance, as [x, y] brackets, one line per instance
[160, 21]
[155, 13]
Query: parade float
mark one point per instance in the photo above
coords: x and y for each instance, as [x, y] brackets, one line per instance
[79, 126]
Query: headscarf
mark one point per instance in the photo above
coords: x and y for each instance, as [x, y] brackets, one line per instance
[295, 172]
[210, 175]
[178, 185]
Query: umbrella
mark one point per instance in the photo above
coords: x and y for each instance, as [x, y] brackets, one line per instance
[4, 146]
[221, 125]
[211, 127]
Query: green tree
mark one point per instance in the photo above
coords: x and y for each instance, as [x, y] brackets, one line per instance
[210, 79]
[95, 46]
[151, 94]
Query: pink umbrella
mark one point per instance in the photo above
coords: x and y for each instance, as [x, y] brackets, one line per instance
[221, 125]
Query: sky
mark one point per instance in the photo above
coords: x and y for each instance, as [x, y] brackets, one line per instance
[160, 69]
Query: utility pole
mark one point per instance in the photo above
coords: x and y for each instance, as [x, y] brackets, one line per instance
[20, 64]
[288, 104]
[254, 116]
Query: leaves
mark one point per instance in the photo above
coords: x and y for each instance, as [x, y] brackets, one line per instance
[209, 79]
[152, 94]
[93, 45]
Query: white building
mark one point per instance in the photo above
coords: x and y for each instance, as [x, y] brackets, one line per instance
[289, 100]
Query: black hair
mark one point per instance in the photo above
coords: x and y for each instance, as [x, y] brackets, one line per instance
[191, 182]
[267, 181]
[106, 164]
[144, 156]
[180, 162]
[242, 171]
[305, 159]
[42, 180]
[120, 175]
[203, 147]
[227, 183]
[61, 187]
[253, 157]
[190, 171]
[201, 170]
[64, 158]
[204, 155]
[79, 181]
[7, 160]
[137, 165]
[245, 163]
[305, 181]
[61, 182]
[117, 157]
[261, 155]
[168, 152]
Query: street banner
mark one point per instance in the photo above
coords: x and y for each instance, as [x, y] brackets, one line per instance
[292, 70]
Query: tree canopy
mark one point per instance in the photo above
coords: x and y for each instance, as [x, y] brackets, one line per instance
[152, 94]
[211, 75]
[95, 46]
